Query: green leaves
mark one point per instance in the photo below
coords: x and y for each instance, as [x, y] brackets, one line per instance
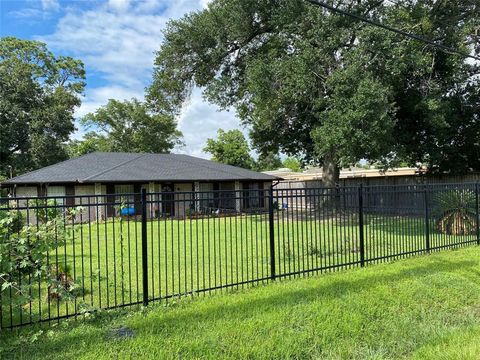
[358, 121]
[455, 211]
[24, 248]
[38, 94]
[327, 88]
[230, 148]
[293, 164]
[128, 126]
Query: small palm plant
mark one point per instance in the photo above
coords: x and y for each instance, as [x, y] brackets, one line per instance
[455, 212]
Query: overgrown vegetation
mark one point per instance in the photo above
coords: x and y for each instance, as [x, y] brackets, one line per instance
[24, 250]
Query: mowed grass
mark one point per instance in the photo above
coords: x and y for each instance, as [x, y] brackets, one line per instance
[427, 307]
[188, 256]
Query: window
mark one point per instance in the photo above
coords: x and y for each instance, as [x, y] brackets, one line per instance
[129, 199]
[254, 195]
[56, 191]
[227, 196]
[206, 196]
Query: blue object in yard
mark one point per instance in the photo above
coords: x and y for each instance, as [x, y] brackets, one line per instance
[284, 206]
[127, 211]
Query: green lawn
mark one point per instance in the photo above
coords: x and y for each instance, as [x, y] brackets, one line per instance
[195, 254]
[427, 307]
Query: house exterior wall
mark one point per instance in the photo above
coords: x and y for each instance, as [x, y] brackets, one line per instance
[183, 202]
[26, 191]
[100, 212]
[57, 191]
[153, 199]
[200, 197]
[89, 212]
[238, 196]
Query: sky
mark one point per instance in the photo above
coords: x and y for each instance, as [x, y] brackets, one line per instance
[116, 40]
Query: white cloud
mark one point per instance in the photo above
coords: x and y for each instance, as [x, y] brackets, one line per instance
[117, 40]
[204, 3]
[50, 5]
[200, 121]
[119, 5]
[97, 97]
[37, 11]
[27, 13]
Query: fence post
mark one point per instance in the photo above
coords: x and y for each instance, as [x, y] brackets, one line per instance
[144, 247]
[477, 212]
[360, 225]
[427, 217]
[272, 233]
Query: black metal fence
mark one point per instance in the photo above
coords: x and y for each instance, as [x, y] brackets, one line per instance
[64, 256]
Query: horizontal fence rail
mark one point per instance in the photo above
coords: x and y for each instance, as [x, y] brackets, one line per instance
[63, 256]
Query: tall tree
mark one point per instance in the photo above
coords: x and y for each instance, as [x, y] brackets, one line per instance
[268, 161]
[90, 142]
[38, 95]
[230, 148]
[326, 87]
[436, 94]
[131, 126]
[293, 164]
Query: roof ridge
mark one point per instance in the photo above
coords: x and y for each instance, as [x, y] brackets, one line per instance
[113, 167]
[49, 166]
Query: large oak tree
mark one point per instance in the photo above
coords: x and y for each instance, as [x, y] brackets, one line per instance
[329, 88]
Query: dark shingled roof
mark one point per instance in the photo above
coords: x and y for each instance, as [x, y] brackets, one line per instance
[104, 167]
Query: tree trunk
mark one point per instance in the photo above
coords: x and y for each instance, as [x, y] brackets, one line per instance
[330, 172]
[330, 179]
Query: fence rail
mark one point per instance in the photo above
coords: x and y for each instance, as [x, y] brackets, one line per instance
[63, 256]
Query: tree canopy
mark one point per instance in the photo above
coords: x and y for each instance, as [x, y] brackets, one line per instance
[90, 142]
[38, 95]
[128, 126]
[268, 161]
[293, 164]
[230, 148]
[328, 88]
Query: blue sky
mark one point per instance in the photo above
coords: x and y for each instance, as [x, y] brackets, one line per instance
[116, 40]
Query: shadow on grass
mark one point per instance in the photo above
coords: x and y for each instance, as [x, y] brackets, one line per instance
[333, 289]
[333, 286]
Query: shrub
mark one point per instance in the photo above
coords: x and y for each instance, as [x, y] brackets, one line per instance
[24, 248]
[46, 209]
[17, 220]
[455, 212]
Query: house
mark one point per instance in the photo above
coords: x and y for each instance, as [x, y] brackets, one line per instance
[346, 176]
[176, 180]
[404, 176]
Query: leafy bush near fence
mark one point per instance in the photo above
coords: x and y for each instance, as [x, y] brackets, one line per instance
[46, 209]
[455, 211]
[23, 252]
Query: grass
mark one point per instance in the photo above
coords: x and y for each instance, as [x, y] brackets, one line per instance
[426, 307]
[105, 258]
